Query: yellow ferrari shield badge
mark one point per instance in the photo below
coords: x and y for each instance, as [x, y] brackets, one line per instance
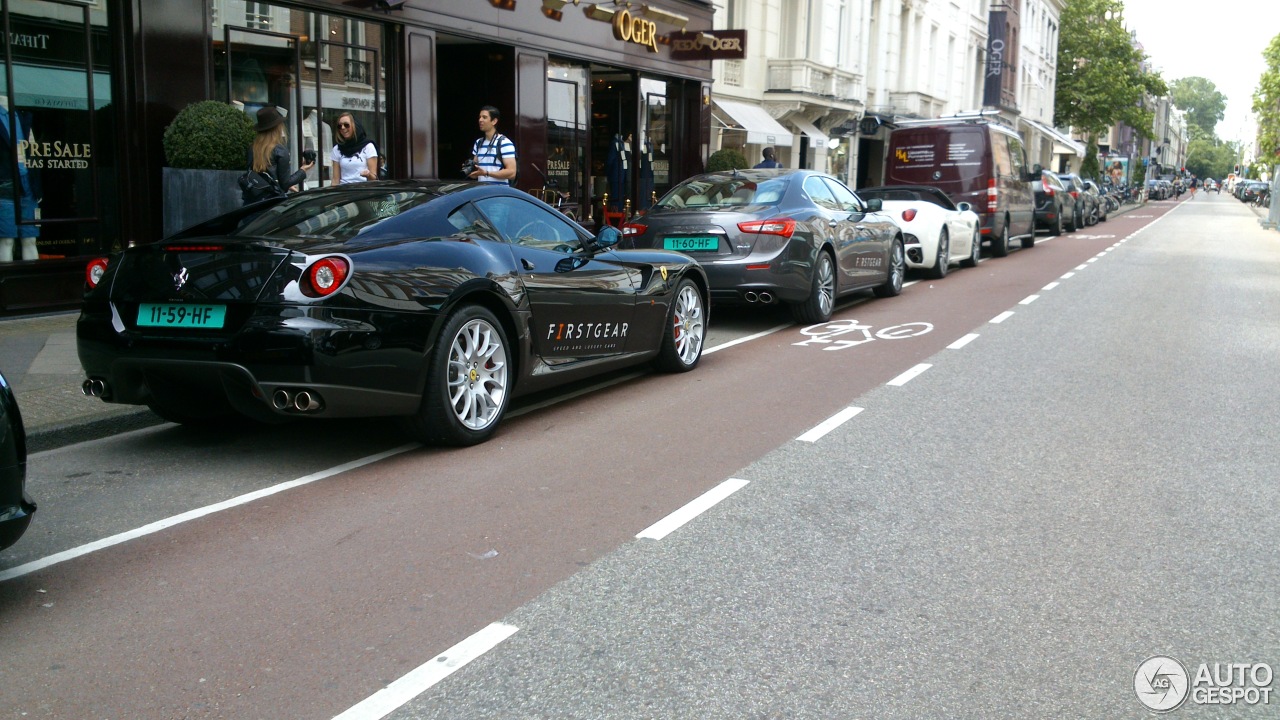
[663, 270]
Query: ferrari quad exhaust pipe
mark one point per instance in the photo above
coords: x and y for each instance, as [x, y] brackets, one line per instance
[762, 297]
[94, 387]
[296, 400]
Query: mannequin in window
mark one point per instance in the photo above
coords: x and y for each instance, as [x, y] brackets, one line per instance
[646, 173]
[14, 138]
[617, 166]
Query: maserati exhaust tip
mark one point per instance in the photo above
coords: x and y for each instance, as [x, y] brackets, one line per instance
[94, 387]
[306, 401]
[766, 297]
[750, 297]
[281, 400]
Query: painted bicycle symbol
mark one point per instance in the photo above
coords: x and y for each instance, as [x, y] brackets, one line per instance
[827, 332]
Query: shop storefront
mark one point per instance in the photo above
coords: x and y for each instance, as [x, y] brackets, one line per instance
[589, 92]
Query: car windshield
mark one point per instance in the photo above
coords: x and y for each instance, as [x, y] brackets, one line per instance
[338, 216]
[721, 191]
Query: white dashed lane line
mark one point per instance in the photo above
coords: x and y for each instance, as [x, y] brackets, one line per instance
[420, 679]
[963, 341]
[1001, 317]
[829, 424]
[1050, 286]
[909, 375]
[1028, 299]
[693, 509]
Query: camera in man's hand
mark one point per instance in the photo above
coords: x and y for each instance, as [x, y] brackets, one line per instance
[308, 156]
[468, 167]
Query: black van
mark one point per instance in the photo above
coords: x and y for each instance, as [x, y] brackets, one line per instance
[973, 161]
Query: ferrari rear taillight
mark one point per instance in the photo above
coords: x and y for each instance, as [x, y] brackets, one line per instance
[324, 276]
[1048, 189]
[784, 227]
[909, 214]
[993, 196]
[93, 272]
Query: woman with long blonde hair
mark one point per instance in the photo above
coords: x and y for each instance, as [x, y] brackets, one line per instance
[270, 156]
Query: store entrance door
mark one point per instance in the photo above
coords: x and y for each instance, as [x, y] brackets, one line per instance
[614, 119]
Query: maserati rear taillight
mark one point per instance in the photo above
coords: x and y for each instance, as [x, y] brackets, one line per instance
[784, 227]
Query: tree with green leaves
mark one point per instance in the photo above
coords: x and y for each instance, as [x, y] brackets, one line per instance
[1102, 77]
[1266, 105]
[1203, 104]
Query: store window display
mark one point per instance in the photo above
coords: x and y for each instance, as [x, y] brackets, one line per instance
[18, 195]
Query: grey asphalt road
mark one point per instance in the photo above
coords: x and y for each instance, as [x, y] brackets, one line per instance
[1089, 483]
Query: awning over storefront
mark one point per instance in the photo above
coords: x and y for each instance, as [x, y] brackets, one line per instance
[817, 138]
[761, 128]
[58, 88]
[1062, 145]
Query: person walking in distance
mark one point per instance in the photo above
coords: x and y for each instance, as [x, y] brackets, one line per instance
[1194, 183]
[493, 153]
[768, 161]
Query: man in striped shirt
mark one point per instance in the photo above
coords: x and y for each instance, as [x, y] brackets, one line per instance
[494, 153]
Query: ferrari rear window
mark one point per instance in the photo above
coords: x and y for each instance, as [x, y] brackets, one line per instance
[338, 216]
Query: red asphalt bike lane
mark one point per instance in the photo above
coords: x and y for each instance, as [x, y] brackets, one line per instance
[303, 604]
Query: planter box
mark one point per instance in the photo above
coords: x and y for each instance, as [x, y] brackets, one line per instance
[193, 196]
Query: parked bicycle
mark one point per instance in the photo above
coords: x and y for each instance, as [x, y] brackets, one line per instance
[551, 194]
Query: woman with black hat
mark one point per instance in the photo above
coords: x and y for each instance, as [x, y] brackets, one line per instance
[269, 154]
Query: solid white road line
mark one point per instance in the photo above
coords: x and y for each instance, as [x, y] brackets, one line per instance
[1028, 299]
[963, 341]
[748, 338]
[1001, 317]
[909, 375]
[420, 679]
[829, 424]
[169, 522]
[696, 507]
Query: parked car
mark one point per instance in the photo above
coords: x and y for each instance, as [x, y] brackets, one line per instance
[1249, 189]
[936, 231]
[1085, 204]
[16, 506]
[1055, 206]
[1155, 191]
[434, 302]
[973, 161]
[765, 236]
[1099, 202]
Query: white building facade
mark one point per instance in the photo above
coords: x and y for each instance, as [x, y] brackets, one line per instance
[824, 80]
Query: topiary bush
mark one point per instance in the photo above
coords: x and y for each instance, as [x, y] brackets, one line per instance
[726, 159]
[208, 135]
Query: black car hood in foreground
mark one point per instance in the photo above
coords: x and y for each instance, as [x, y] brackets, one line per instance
[16, 507]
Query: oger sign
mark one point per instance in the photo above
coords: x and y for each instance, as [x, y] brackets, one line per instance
[633, 29]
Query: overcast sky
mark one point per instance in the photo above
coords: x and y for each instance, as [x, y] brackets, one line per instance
[1221, 40]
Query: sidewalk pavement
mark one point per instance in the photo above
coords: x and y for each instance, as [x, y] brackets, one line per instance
[38, 357]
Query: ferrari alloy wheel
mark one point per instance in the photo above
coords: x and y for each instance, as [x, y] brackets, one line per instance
[468, 380]
[685, 330]
[940, 263]
[897, 269]
[817, 308]
[975, 251]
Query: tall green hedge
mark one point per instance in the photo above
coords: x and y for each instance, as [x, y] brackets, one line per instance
[208, 135]
[726, 159]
